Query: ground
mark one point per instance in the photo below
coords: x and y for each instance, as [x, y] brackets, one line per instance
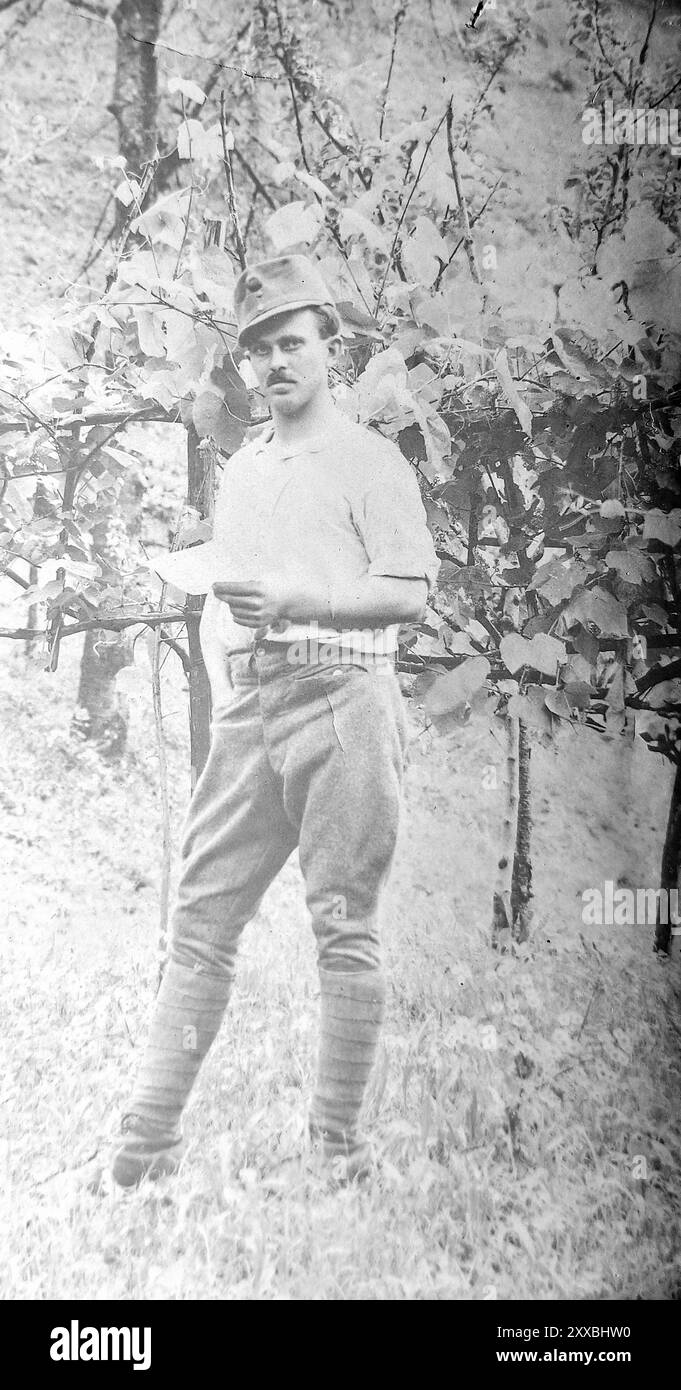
[524, 1107]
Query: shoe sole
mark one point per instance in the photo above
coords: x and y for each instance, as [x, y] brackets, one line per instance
[129, 1170]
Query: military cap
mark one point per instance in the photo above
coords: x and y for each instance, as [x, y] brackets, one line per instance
[277, 286]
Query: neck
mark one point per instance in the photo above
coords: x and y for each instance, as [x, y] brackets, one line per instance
[317, 415]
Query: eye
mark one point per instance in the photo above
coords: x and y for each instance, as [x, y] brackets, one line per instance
[260, 351]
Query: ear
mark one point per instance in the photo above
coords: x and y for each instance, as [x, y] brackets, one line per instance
[334, 348]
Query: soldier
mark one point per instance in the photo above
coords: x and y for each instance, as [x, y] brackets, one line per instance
[320, 551]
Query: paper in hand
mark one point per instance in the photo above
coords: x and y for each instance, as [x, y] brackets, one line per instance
[195, 569]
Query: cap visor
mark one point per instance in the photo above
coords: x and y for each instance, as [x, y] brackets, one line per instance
[195, 570]
[278, 311]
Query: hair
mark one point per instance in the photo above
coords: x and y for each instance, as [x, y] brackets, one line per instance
[327, 320]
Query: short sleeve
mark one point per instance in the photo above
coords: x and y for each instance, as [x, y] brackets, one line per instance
[393, 521]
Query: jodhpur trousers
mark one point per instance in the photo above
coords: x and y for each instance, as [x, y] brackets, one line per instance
[308, 755]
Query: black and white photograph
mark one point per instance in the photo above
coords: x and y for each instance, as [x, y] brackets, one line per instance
[340, 662]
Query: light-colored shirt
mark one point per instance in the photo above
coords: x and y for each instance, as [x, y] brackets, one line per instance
[326, 513]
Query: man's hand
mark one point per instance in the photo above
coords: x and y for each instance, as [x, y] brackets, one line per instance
[253, 602]
[371, 601]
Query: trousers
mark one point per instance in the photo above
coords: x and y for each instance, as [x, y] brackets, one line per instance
[308, 754]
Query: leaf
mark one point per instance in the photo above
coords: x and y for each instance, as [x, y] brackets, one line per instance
[598, 607]
[150, 332]
[311, 182]
[212, 416]
[531, 708]
[212, 275]
[292, 224]
[127, 192]
[352, 223]
[454, 689]
[453, 310]
[437, 440]
[511, 392]
[189, 139]
[542, 652]
[389, 361]
[571, 364]
[424, 252]
[460, 644]
[16, 495]
[199, 142]
[662, 526]
[632, 565]
[165, 221]
[213, 139]
[557, 702]
[357, 319]
[578, 671]
[558, 579]
[612, 508]
[190, 90]
[162, 387]
[578, 693]
[665, 693]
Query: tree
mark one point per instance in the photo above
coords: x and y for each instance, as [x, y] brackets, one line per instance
[101, 713]
[535, 400]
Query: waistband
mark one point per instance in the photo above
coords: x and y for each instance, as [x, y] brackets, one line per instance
[284, 656]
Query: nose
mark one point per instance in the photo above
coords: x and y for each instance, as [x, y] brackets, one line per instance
[278, 358]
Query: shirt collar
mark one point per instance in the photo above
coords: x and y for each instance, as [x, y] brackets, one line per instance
[268, 445]
[267, 442]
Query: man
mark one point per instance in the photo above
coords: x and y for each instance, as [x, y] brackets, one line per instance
[320, 551]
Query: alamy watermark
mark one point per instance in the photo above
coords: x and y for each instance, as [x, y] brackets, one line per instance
[631, 125]
[631, 907]
[76, 1343]
[353, 648]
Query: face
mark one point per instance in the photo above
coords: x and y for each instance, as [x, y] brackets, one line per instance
[291, 361]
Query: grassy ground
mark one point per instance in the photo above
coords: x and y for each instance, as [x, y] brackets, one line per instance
[513, 1100]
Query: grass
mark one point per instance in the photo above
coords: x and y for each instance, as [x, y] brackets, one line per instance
[513, 1100]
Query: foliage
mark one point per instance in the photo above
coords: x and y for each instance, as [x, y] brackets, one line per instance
[508, 1124]
[537, 406]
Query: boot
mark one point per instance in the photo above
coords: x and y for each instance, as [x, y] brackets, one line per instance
[187, 1015]
[352, 1007]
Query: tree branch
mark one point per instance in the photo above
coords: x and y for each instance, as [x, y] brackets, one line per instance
[400, 13]
[606, 59]
[463, 206]
[184, 53]
[644, 51]
[657, 675]
[105, 621]
[463, 141]
[231, 191]
[178, 650]
[257, 184]
[459, 243]
[403, 213]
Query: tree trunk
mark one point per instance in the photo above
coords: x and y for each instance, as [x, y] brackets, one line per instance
[102, 712]
[200, 494]
[670, 868]
[135, 98]
[512, 898]
[521, 888]
[42, 506]
[32, 617]
[502, 910]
